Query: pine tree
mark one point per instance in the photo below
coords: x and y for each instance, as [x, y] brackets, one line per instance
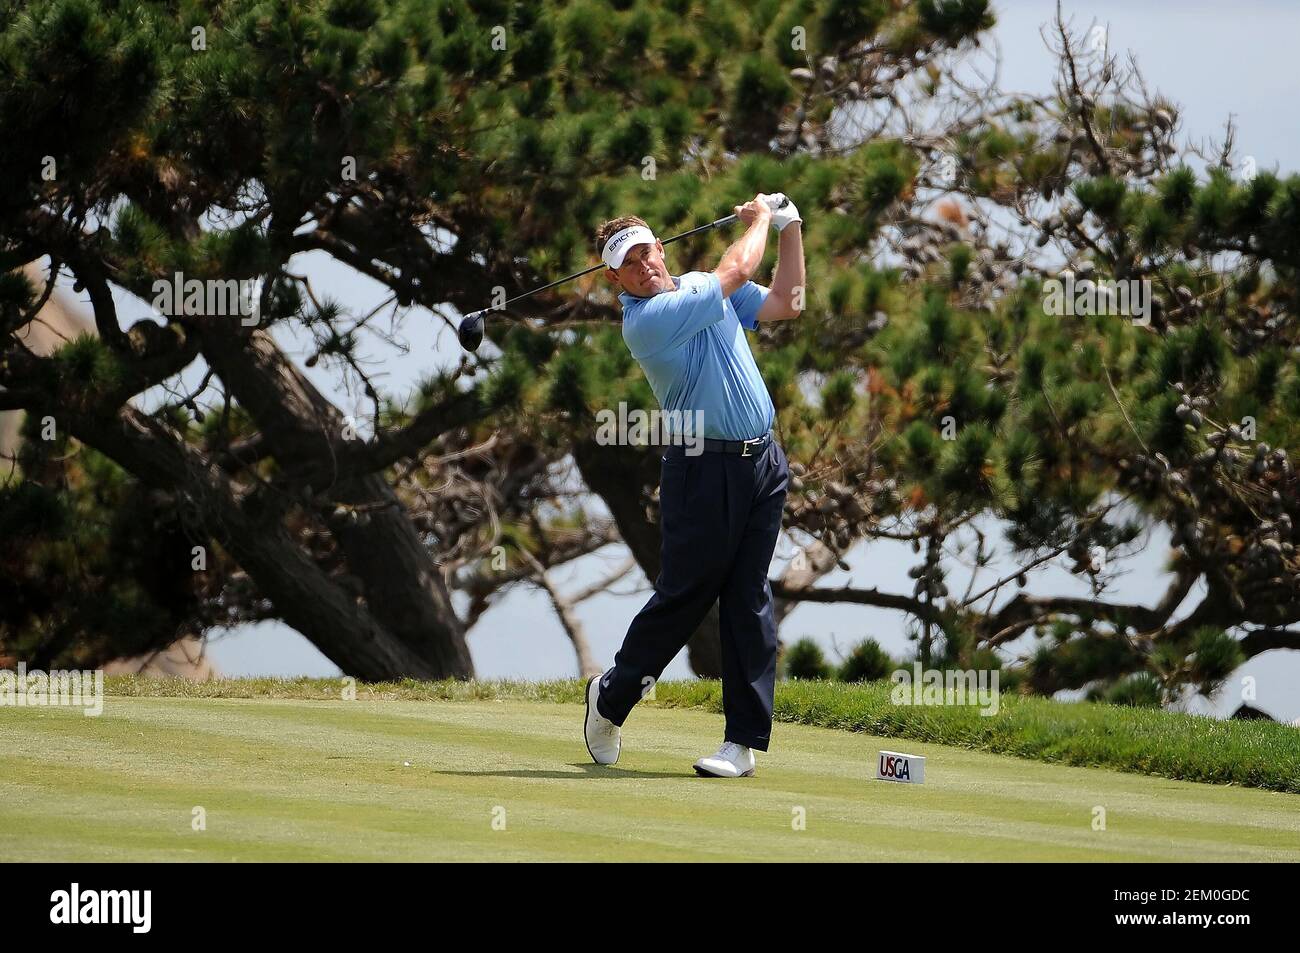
[929, 384]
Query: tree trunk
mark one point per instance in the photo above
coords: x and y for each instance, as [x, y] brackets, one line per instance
[342, 628]
[402, 585]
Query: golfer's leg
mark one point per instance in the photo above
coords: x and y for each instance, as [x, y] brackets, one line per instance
[696, 549]
[748, 629]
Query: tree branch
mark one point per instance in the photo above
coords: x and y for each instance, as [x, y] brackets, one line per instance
[863, 597]
[1258, 641]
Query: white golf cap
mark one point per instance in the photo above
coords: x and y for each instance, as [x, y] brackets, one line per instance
[620, 242]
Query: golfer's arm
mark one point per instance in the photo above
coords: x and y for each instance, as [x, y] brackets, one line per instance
[742, 259]
[786, 297]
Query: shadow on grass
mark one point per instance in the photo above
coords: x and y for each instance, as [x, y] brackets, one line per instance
[585, 772]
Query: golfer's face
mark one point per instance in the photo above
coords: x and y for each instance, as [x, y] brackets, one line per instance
[643, 272]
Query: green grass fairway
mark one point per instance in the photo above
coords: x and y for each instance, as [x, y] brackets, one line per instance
[316, 780]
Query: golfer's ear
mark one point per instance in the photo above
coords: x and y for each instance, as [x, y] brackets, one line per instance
[611, 276]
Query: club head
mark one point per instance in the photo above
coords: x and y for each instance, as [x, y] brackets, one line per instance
[470, 331]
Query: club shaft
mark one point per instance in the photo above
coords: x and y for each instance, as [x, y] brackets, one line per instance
[726, 220]
[718, 224]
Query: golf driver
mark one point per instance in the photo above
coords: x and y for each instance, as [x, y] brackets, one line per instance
[470, 331]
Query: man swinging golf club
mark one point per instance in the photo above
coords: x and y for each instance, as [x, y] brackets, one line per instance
[720, 509]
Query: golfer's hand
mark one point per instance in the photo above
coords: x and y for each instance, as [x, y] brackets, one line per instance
[781, 217]
[754, 210]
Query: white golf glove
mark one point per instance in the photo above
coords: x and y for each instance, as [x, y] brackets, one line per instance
[781, 217]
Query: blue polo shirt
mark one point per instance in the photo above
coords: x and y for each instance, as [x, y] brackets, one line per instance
[691, 344]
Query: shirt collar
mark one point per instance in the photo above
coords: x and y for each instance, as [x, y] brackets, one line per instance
[625, 299]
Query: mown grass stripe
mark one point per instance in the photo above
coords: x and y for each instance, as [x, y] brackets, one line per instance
[1143, 741]
[290, 780]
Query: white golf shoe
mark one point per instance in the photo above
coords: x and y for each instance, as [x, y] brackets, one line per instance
[604, 739]
[731, 761]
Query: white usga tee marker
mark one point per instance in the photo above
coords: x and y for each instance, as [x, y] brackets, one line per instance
[907, 768]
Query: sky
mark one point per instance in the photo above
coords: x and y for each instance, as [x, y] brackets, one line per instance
[1211, 58]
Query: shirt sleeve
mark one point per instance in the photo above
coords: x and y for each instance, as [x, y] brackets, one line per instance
[747, 299]
[671, 318]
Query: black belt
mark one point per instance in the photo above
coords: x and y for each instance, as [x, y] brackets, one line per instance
[745, 448]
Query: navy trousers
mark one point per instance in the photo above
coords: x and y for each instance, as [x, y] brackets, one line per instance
[719, 514]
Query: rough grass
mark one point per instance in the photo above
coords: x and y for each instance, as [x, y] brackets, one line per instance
[1144, 741]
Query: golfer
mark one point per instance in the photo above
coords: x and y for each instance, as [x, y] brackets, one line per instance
[719, 509]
